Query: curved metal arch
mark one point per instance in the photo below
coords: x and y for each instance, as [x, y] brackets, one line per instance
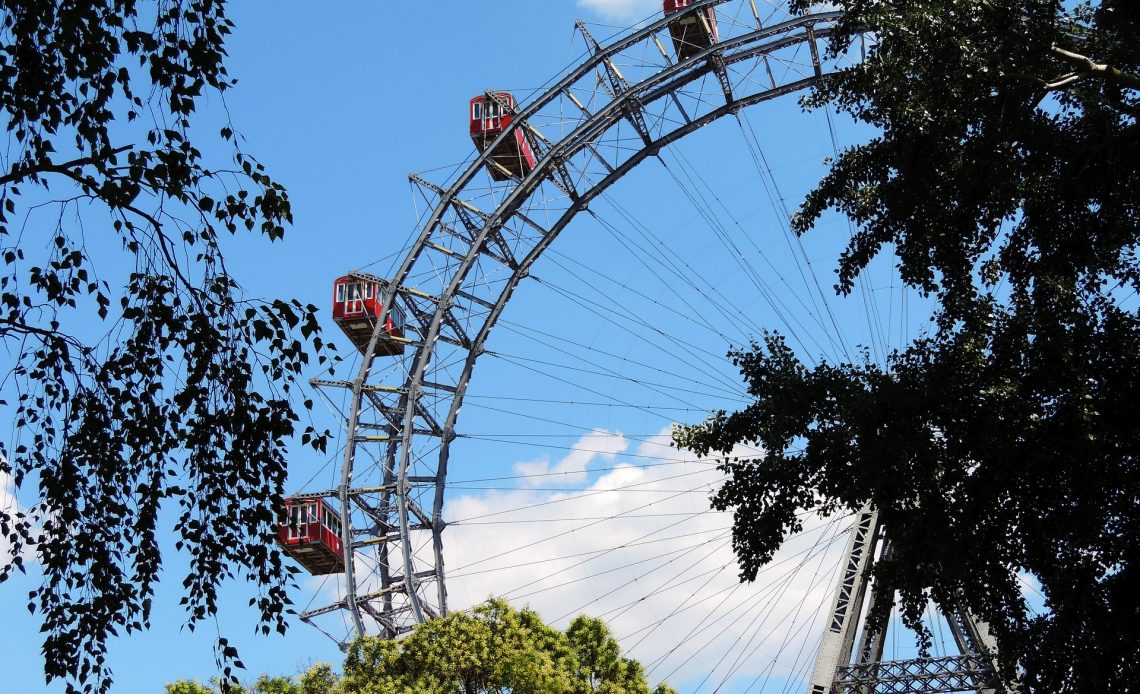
[398, 457]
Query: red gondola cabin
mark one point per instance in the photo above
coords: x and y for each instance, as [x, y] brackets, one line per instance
[513, 158]
[357, 307]
[694, 32]
[310, 534]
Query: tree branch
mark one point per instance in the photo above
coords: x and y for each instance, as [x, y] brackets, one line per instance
[1086, 67]
[1062, 82]
[8, 325]
[22, 172]
[121, 208]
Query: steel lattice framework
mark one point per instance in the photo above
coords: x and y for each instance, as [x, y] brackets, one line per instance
[841, 668]
[622, 104]
[916, 676]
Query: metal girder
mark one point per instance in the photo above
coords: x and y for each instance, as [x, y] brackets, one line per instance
[308, 615]
[379, 520]
[632, 107]
[562, 178]
[393, 537]
[452, 200]
[375, 388]
[721, 72]
[874, 636]
[395, 414]
[843, 619]
[423, 317]
[418, 512]
[504, 257]
[432, 428]
[398, 584]
[756, 14]
[720, 69]
[474, 299]
[329, 493]
[810, 31]
[676, 99]
[384, 618]
[955, 673]
[538, 142]
[459, 335]
[589, 145]
[760, 25]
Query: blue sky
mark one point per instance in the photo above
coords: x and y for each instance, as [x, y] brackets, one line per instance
[341, 101]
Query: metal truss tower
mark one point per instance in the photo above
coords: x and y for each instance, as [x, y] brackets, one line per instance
[841, 668]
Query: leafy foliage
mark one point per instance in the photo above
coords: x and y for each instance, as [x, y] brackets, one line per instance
[189, 687]
[318, 679]
[155, 382]
[495, 648]
[1004, 181]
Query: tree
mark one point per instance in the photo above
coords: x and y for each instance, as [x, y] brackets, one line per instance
[495, 648]
[189, 687]
[142, 378]
[318, 679]
[1004, 180]
[600, 665]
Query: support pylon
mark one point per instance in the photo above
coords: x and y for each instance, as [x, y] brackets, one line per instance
[840, 668]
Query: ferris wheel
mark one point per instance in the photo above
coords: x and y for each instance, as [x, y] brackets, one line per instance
[379, 532]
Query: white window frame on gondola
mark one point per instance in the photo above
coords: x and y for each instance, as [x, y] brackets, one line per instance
[354, 298]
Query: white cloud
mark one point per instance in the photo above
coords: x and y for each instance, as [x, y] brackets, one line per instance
[10, 506]
[622, 9]
[639, 547]
[573, 467]
[621, 529]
